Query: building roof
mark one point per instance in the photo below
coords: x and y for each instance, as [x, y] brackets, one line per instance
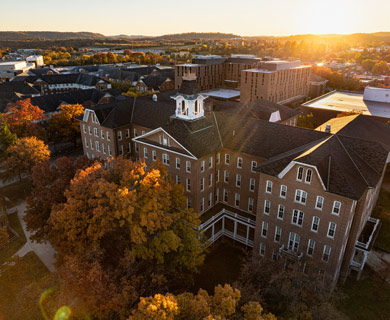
[316, 78]
[223, 94]
[155, 81]
[79, 78]
[41, 71]
[344, 101]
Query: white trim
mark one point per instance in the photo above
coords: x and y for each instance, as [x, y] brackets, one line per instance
[161, 129]
[166, 150]
[292, 163]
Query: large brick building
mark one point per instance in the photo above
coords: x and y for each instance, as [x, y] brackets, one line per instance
[284, 82]
[284, 191]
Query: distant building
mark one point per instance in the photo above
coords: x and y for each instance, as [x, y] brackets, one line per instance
[10, 69]
[317, 86]
[284, 82]
[37, 60]
[155, 82]
[374, 102]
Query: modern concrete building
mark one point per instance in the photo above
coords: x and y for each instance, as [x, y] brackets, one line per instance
[10, 69]
[286, 192]
[284, 82]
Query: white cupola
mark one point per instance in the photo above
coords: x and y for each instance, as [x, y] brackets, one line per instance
[189, 102]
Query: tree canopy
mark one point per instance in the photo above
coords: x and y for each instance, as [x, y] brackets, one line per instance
[7, 138]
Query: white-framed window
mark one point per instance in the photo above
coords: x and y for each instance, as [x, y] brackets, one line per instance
[177, 179]
[237, 199]
[319, 203]
[281, 210]
[264, 229]
[202, 204]
[129, 147]
[104, 148]
[188, 166]
[89, 130]
[297, 217]
[121, 150]
[268, 187]
[108, 136]
[145, 153]
[102, 134]
[188, 185]
[321, 275]
[91, 143]
[293, 241]
[154, 155]
[309, 174]
[165, 158]
[253, 166]
[262, 249]
[188, 203]
[136, 147]
[250, 204]
[331, 230]
[218, 158]
[210, 201]
[326, 253]
[142, 132]
[95, 132]
[202, 184]
[119, 135]
[310, 247]
[177, 163]
[217, 195]
[109, 151]
[84, 129]
[227, 158]
[210, 162]
[278, 234]
[202, 164]
[283, 191]
[165, 140]
[217, 176]
[300, 174]
[210, 179]
[336, 207]
[226, 176]
[225, 195]
[252, 183]
[267, 207]
[135, 132]
[86, 142]
[315, 224]
[238, 180]
[239, 162]
[127, 133]
[300, 196]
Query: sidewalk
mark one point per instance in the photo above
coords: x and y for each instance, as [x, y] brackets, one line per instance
[44, 251]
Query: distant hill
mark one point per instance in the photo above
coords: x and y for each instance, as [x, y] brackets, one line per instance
[197, 36]
[46, 35]
[354, 37]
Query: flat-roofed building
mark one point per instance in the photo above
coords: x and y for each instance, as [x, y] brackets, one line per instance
[284, 82]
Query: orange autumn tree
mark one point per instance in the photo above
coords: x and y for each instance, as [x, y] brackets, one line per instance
[24, 155]
[22, 118]
[63, 126]
[135, 221]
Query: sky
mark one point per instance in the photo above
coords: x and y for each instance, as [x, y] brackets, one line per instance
[158, 17]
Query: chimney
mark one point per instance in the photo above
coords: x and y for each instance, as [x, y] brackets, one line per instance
[328, 128]
[154, 97]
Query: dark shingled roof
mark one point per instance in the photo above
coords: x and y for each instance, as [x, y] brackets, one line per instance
[41, 71]
[13, 91]
[79, 78]
[189, 87]
[154, 81]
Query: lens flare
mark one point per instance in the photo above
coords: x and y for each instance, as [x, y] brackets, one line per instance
[62, 313]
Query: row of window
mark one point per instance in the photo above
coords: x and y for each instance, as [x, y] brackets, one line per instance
[96, 132]
[301, 197]
[239, 163]
[96, 145]
[293, 243]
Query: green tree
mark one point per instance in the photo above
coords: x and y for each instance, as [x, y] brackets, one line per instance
[368, 64]
[381, 68]
[7, 138]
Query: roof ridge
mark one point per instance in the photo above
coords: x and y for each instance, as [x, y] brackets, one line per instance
[345, 149]
[219, 133]
[132, 111]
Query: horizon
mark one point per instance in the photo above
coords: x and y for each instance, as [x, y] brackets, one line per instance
[250, 18]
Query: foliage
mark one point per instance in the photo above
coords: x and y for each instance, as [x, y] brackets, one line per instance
[337, 80]
[287, 292]
[49, 184]
[381, 68]
[308, 121]
[22, 118]
[4, 236]
[134, 222]
[7, 138]
[63, 125]
[24, 155]
[186, 306]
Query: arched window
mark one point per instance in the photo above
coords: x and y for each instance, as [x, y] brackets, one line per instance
[196, 107]
[183, 107]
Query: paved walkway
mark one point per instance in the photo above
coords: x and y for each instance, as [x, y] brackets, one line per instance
[44, 251]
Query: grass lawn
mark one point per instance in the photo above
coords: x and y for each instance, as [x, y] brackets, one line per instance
[222, 265]
[366, 299]
[9, 250]
[21, 285]
[382, 212]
